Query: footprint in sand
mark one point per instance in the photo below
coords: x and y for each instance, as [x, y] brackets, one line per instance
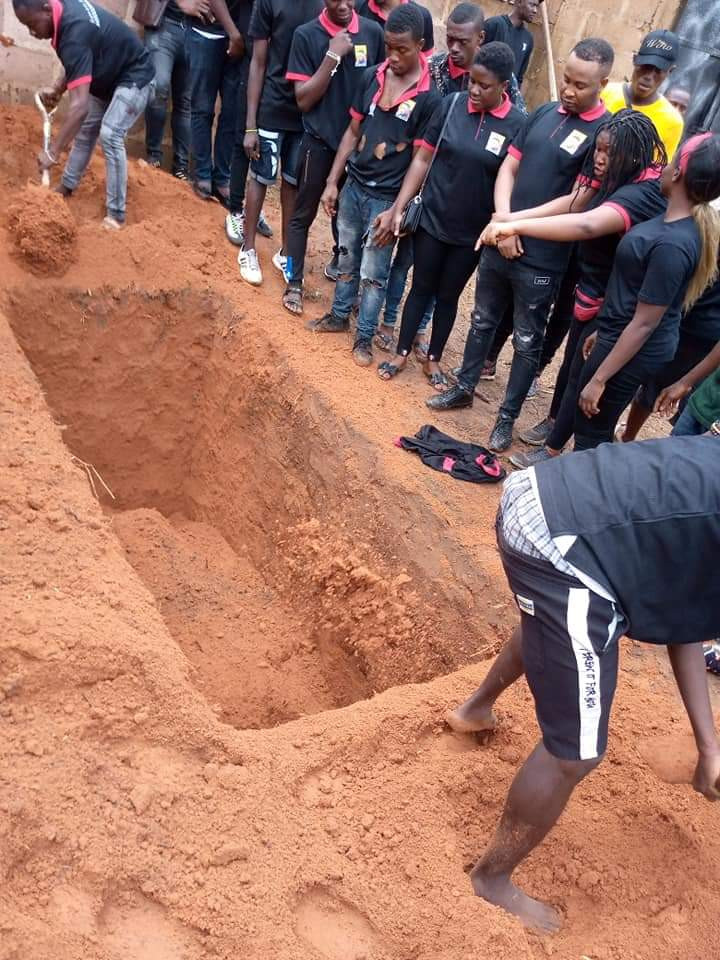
[334, 928]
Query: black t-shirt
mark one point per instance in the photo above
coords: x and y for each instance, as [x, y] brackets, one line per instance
[328, 119]
[97, 48]
[458, 196]
[276, 21]
[519, 39]
[636, 203]
[370, 9]
[643, 521]
[654, 264]
[387, 137]
[703, 320]
[239, 10]
[552, 149]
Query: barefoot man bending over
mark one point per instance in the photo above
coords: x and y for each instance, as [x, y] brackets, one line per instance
[619, 540]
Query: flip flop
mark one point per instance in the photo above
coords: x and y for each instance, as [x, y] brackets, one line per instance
[421, 349]
[438, 381]
[293, 300]
[384, 341]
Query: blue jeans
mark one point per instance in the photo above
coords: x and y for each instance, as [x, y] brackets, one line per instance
[168, 48]
[213, 73]
[396, 286]
[109, 122]
[687, 425]
[361, 264]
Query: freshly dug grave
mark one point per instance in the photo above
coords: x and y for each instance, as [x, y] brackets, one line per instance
[266, 555]
[42, 231]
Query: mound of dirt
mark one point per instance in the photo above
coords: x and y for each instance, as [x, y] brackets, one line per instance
[43, 231]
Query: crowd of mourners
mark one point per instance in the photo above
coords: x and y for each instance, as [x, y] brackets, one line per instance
[587, 222]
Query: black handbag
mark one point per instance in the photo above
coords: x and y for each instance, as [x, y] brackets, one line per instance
[413, 211]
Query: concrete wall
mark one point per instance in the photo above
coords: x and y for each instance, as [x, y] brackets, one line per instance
[26, 64]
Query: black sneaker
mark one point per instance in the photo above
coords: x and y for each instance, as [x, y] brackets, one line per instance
[203, 189]
[332, 270]
[502, 435]
[263, 227]
[329, 323]
[155, 164]
[453, 399]
[537, 435]
[362, 352]
[181, 175]
[524, 460]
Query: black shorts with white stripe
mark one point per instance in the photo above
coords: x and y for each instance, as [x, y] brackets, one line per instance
[570, 649]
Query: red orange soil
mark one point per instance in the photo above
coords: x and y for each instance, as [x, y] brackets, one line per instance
[269, 555]
[43, 230]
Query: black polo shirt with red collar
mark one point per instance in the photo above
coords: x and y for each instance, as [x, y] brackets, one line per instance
[551, 149]
[458, 196]
[370, 9]
[97, 48]
[276, 21]
[328, 118]
[387, 137]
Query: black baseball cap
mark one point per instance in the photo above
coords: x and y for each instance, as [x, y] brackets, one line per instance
[659, 49]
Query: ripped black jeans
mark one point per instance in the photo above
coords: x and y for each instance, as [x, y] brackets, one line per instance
[532, 292]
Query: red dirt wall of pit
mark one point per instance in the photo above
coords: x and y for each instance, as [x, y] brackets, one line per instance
[274, 557]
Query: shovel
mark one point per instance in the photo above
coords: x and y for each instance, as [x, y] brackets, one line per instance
[47, 132]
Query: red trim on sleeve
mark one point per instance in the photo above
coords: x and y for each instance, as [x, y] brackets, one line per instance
[514, 152]
[297, 76]
[585, 181]
[356, 115]
[81, 81]
[621, 210]
[424, 145]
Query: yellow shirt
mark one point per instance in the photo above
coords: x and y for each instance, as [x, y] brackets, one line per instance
[668, 121]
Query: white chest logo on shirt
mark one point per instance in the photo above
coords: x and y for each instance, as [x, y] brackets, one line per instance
[495, 143]
[361, 55]
[573, 141]
[405, 109]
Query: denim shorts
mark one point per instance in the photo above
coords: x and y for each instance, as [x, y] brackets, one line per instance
[279, 149]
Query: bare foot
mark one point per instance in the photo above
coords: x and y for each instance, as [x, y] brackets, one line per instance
[463, 720]
[504, 894]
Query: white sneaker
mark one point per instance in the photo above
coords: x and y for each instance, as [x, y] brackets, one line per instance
[235, 228]
[280, 261]
[250, 268]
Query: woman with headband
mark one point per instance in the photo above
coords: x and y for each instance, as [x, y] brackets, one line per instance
[661, 268]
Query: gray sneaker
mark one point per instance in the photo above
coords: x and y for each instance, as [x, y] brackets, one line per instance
[263, 227]
[534, 389]
[524, 460]
[537, 435]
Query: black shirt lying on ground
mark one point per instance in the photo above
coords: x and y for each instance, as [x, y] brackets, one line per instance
[519, 39]
[387, 137]
[370, 9]
[551, 149]
[276, 21]
[654, 264]
[96, 48]
[458, 196]
[327, 119]
[636, 203]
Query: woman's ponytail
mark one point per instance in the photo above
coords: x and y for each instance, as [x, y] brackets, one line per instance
[699, 160]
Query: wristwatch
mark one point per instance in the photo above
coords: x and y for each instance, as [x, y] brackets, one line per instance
[337, 58]
[715, 428]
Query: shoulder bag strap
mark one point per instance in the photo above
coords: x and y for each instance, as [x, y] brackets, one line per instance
[456, 97]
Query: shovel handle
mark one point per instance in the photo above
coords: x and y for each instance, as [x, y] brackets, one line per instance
[46, 178]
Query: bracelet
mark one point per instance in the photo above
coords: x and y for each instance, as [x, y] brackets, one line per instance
[337, 58]
[251, 130]
[715, 428]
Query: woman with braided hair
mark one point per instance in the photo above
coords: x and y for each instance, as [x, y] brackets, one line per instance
[625, 171]
[661, 267]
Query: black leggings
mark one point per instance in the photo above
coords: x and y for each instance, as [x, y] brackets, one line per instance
[590, 432]
[440, 270]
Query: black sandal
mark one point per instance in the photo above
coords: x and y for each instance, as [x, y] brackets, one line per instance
[391, 369]
[293, 299]
[438, 381]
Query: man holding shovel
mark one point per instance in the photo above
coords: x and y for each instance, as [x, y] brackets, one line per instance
[623, 539]
[108, 75]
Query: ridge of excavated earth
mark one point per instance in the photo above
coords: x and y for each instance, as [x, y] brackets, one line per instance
[222, 687]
